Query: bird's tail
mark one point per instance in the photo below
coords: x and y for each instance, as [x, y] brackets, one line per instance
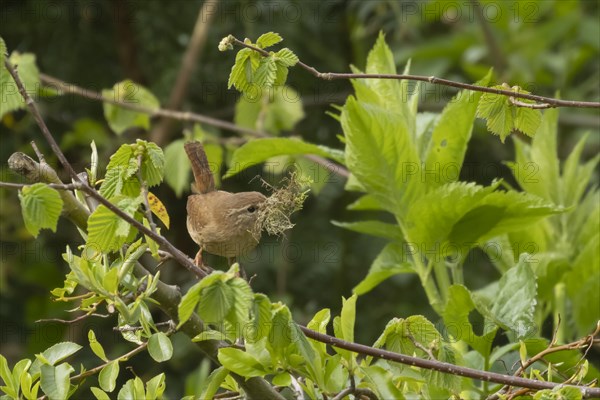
[203, 177]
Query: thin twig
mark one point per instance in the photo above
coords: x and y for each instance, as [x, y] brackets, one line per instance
[70, 88]
[535, 106]
[430, 79]
[181, 258]
[38, 153]
[584, 342]
[440, 365]
[58, 186]
[72, 321]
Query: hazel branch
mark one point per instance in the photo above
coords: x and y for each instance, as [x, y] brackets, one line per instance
[548, 101]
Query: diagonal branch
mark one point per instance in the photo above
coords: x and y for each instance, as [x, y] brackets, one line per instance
[551, 102]
[178, 255]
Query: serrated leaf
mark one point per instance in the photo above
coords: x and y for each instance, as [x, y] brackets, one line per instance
[502, 117]
[512, 304]
[107, 379]
[160, 347]
[268, 39]
[107, 231]
[392, 260]
[259, 150]
[120, 119]
[177, 167]
[55, 381]
[286, 57]
[153, 162]
[458, 216]
[96, 346]
[240, 362]
[216, 301]
[265, 74]
[28, 72]
[381, 155]
[238, 76]
[41, 207]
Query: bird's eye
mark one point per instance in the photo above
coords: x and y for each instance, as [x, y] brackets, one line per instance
[251, 209]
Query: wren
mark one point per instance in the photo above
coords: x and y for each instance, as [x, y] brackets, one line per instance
[222, 223]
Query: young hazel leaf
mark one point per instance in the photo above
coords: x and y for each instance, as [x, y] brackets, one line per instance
[265, 74]
[106, 230]
[41, 207]
[239, 72]
[286, 57]
[268, 39]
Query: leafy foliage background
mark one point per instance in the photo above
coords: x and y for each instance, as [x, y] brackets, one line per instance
[97, 43]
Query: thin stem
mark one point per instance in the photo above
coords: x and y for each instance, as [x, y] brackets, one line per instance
[442, 278]
[181, 258]
[70, 88]
[58, 186]
[440, 365]
[433, 80]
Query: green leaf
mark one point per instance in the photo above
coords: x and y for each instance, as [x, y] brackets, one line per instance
[120, 173]
[381, 155]
[374, 228]
[260, 323]
[380, 60]
[268, 39]
[450, 136]
[155, 387]
[392, 260]
[54, 354]
[96, 346]
[107, 379]
[177, 167]
[265, 74]
[55, 380]
[28, 72]
[286, 58]
[213, 382]
[259, 150]
[99, 393]
[241, 71]
[319, 323]
[459, 327]
[347, 317]
[153, 162]
[41, 207]
[214, 154]
[160, 347]
[502, 117]
[512, 303]
[240, 362]
[366, 202]
[107, 231]
[216, 301]
[283, 379]
[277, 109]
[458, 216]
[120, 119]
[381, 381]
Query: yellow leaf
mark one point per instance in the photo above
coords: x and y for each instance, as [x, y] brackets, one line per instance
[159, 209]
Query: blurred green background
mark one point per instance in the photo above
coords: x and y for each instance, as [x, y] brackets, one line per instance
[544, 46]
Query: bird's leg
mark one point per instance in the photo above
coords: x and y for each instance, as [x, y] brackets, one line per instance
[198, 258]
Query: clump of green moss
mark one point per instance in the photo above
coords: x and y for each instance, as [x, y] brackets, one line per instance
[274, 214]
